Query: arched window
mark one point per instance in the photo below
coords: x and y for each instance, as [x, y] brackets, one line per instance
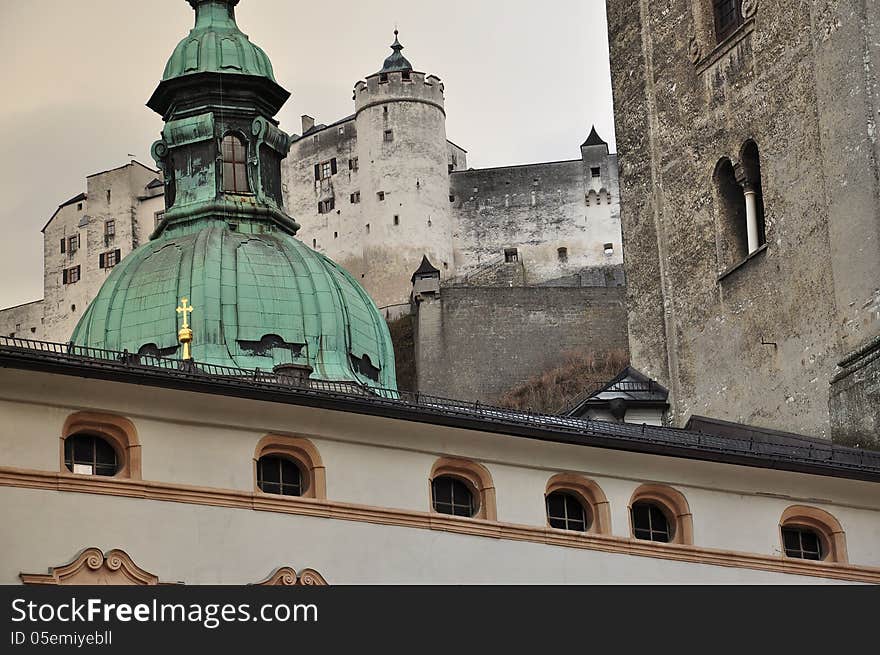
[462, 488]
[809, 533]
[661, 514]
[733, 237]
[100, 444]
[235, 178]
[576, 503]
[88, 454]
[650, 523]
[279, 476]
[452, 496]
[289, 466]
[753, 191]
[728, 17]
[565, 511]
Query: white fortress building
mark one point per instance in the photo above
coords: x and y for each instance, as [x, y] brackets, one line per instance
[83, 241]
[375, 192]
[382, 188]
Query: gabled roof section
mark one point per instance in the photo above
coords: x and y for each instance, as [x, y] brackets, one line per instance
[80, 198]
[631, 385]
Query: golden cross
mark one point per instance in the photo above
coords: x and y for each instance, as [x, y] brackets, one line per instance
[185, 310]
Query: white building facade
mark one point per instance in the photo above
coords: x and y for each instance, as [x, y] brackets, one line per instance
[83, 241]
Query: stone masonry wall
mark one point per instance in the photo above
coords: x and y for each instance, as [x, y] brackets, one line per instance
[762, 344]
[477, 343]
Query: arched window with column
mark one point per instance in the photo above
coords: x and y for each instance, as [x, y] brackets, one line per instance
[235, 175]
[753, 191]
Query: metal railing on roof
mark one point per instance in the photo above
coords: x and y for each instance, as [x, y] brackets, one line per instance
[839, 457]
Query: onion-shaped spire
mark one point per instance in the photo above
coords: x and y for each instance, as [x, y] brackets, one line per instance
[396, 63]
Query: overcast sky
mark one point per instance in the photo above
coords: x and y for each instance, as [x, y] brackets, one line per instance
[524, 83]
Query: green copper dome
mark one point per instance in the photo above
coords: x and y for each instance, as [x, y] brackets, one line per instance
[262, 299]
[216, 45]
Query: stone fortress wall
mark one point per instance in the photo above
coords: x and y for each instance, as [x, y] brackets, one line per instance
[765, 337]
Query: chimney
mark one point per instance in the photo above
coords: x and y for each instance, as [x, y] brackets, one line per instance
[307, 123]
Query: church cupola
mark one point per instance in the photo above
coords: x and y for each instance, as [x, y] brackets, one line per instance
[263, 299]
[221, 149]
[396, 63]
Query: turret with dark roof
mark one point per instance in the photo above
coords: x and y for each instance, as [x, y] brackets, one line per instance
[396, 63]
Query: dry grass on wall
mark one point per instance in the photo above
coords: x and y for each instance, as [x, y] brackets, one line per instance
[554, 390]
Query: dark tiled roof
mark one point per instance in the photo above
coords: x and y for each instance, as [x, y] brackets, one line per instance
[396, 63]
[820, 458]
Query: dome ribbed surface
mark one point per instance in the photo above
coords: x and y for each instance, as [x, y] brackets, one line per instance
[217, 45]
[261, 300]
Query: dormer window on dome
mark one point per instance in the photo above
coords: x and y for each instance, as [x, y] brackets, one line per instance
[235, 178]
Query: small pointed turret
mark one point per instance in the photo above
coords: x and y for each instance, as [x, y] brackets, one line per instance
[396, 63]
[594, 139]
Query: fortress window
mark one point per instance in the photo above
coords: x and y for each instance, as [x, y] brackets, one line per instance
[326, 206]
[72, 244]
[325, 170]
[109, 259]
[511, 255]
[728, 17]
[79, 207]
[86, 454]
[389, 136]
[108, 196]
[609, 249]
[160, 216]
[381, 196]
[383, 78]
[407, 76]
[336, 235]
[451, 197]
[397, 220]
[315, 244]
[110, 228]
[70, 275]
[355, 197]
[279, 476]
[596, 171]
[754, 195]
[563, 255]
[234, 165]
[342, 130]
[353, 164]
[368, 228]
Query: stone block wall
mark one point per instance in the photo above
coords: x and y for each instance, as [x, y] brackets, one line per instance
[476, 343]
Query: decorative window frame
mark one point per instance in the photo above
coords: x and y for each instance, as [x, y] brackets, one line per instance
[92, 567]
[118, 431]
[304, 453]
[587, 492]
[828, 528]
[673, 503]
[476, 477]
[288, 577]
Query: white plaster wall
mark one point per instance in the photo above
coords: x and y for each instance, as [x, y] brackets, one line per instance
[200, 440]
[211, 546]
